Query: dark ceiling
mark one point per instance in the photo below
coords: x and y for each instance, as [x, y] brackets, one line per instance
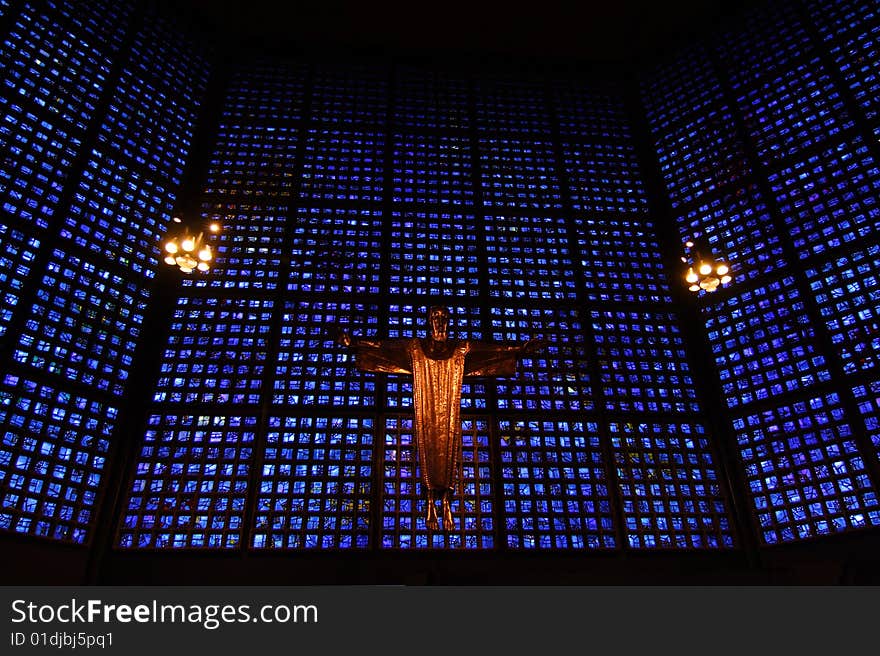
[612, 31]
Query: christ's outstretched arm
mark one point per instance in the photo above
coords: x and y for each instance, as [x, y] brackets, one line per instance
[390, 356]
[485, 359]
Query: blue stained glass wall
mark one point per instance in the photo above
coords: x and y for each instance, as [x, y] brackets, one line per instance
[528, 258]
[217, 354]
[316, 484]
[639, 368]
[806, 475]
[787, 96]
[868, 399]
[605, 244]
[84, 324]
[353, 197]
[430, 99]
[52, 459]
[670, 492]
[556, 489]
[55, 66]
[307, 372]
[847, 294]
[190, 484]
[19, 250]
[849, 31]
[98, 119]
[437, 254]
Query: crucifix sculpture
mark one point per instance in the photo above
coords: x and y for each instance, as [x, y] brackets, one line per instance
[437, 364]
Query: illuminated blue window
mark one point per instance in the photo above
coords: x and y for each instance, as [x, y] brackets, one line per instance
[216, 351]
[311, 369]
[17, 253]
[555, 486]
[53, 74]
[336, 250]
[830, 198]
[253, 162]
[868, 400]
[126, 193]
[512, 106]
[100, 23]
[805, 475]
[427, 99]
[739, 228]
[350, 94]
[343, 165]
[408, 321]
[643, 362]
[264, 93]
[118, 214]
[604, 177]
[190, 483]
[621, 260]
[589, 112]
[151, 117]
[529, 258]
[84, 325]
[849, 29]
[787, 99]
[764, 344]
[435, 254]
[404, 499]
[693, 129]
[848, 295]
[316, 484]
[518, 173]
[432, 169]
[248, 250]
[669, 489]
[53, 450]
[554, 378]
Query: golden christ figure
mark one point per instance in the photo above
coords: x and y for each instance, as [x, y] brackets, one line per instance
[437, 364]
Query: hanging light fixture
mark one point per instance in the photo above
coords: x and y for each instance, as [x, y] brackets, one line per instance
[188, 249]
[703, 271]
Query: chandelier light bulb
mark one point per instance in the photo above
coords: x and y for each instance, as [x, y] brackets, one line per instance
[704, 271]
[186, 261]
[187, 249]
[709, 284]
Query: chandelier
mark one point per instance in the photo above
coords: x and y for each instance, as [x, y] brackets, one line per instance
[187, 248]
[704, 271]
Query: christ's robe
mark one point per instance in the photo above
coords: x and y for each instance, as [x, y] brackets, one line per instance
[437, 369]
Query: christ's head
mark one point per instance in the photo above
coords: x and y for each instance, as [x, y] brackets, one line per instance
[438, 321]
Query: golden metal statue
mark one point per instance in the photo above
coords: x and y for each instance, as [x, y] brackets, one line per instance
[437, 364]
